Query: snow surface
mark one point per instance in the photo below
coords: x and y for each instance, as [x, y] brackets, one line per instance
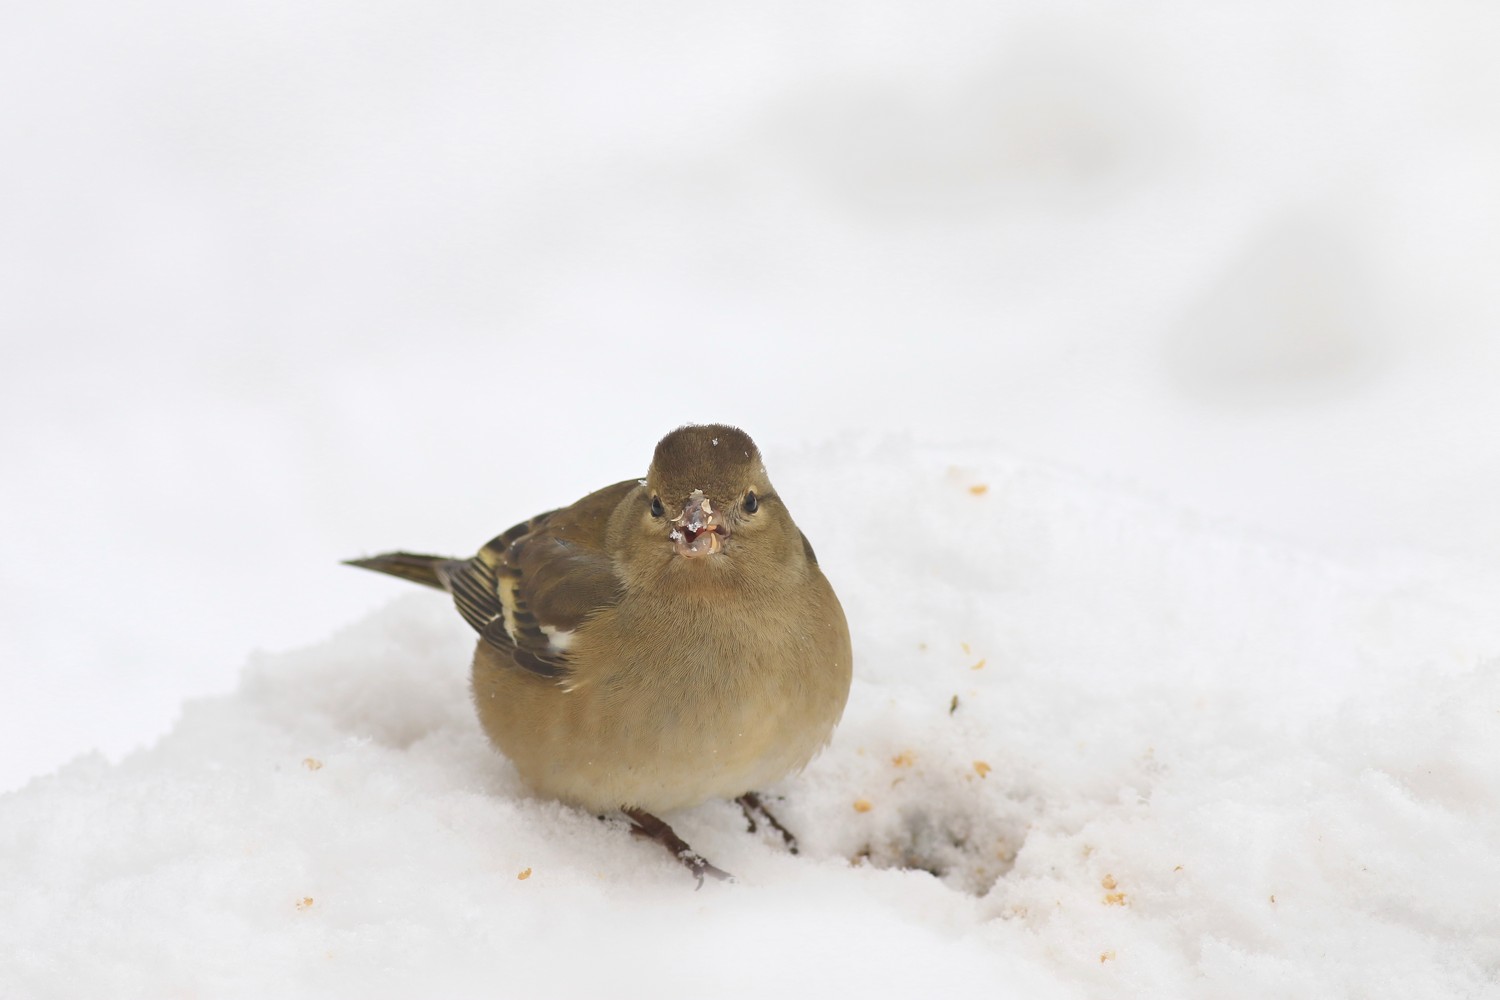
[1181, 763]
[1204, 296]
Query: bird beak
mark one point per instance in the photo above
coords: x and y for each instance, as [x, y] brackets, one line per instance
[698, 531]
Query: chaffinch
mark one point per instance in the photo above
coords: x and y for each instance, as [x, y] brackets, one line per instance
[661, 642]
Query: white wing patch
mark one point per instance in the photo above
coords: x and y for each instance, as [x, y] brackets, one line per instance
[558, 639]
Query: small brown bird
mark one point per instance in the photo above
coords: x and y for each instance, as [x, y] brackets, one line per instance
[661, 642]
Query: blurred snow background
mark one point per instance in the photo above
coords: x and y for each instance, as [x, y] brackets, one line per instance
[285, 283]
[281, 283]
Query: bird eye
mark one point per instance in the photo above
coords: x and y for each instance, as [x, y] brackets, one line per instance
[751, 504]
[657, 510]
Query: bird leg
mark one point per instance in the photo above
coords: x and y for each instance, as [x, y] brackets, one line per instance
[751, 804]
[643, 824]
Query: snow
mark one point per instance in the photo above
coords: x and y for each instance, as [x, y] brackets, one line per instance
[1181, 762]
[1131, 370]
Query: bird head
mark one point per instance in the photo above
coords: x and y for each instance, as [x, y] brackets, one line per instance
[706, 484]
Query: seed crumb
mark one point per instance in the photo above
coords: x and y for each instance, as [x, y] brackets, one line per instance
[863, 805]
[524, 875]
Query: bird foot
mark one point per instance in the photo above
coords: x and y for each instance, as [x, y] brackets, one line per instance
[643, 824]
[751, 804]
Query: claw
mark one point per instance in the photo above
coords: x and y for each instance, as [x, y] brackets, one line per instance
[643, 824]
[751, 804]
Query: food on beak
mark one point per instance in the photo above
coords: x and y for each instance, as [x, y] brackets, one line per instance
[697, 531]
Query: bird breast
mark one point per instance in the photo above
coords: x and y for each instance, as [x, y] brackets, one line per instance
[666, 710]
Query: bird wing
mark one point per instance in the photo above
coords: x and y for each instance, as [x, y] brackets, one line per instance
[526, 591]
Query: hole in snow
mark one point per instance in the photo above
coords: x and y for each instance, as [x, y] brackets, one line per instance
[967, 840]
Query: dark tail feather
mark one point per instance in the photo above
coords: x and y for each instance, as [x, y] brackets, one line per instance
[408, 566]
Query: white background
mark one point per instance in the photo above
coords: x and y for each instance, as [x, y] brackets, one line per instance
[283, 283]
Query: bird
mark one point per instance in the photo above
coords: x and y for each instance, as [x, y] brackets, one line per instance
[659, 643]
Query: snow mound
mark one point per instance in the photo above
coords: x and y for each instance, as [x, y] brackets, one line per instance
[1094, 747]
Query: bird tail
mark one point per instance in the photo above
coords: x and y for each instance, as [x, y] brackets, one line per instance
[426, 570]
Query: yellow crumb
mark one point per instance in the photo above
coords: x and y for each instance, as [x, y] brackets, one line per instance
[981, 768]
[1114, 899]
[1108, 882]
[903, 759]
[863, 805]
[978, 666]
[979, 489]
[311, 763]
[304, 902]
[524, 875]
[1105, 956]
